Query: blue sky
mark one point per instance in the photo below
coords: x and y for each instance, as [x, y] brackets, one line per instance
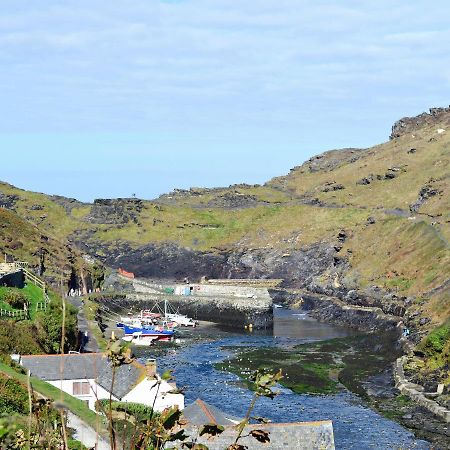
[109, 98]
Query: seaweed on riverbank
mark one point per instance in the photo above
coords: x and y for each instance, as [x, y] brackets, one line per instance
[320, 367]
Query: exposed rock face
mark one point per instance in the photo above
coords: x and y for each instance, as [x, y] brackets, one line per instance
[115, 211]
[298, 268]
[8, 201]
[229, 197]
[67, 203]
[330, 160]
[164, 261]
[408, 125]
[425, 193]
[169, 261]
[233, 200]
[333, 310]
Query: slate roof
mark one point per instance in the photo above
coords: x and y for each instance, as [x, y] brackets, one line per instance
[85, 366]
[283, 436]
[199, 413]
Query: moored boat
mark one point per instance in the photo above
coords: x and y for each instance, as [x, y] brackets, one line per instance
[139, 340]
[156, 332]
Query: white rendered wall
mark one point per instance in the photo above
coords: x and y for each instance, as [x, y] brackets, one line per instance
[145, 393]
[96, 392]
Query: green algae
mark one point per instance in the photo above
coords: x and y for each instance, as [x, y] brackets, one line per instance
[324, 367]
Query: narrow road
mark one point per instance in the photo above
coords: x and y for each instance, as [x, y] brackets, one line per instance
[86, 434]
[91, 345]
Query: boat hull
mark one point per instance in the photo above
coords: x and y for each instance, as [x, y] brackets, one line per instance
[161, 335]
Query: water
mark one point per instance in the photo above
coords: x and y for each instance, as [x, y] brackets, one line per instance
[355, 425]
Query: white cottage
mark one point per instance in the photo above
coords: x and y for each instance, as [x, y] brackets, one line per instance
[88, 377]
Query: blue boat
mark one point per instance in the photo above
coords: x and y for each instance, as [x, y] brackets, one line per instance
[154, 332]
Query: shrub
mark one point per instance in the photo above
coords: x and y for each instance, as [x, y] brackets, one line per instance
[15, 299]
[436, 341]
[13, 396]
[49, 323]
[139, 411]
[6, 359]
[19, 337]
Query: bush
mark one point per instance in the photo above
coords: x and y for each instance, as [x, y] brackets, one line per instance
[13, 396]
[15, 299]
[6, 359]
[49, 324]
[139, 411]
[436, 341]
[19, 337]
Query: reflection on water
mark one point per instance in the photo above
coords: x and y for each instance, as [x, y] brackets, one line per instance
[297, 324]
[355, 425]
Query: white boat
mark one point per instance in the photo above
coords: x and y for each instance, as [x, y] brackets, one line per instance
[139, 340]
[181, 319]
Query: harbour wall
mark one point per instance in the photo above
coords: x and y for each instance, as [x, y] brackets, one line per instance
[232, 306]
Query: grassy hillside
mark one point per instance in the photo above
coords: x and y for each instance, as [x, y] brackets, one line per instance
[392, 200]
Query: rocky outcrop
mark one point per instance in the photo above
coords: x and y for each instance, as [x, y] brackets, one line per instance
[233, 196]
[8, 201]
[67, 203]
[332, 159]
[233, 199]
[408, 125]
[115, 211]
[298, 267]
[333, 310]
[164, 261]
[425, 193]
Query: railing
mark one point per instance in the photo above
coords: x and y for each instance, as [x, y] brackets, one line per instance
[41, 306]
[33, 278]
[19, 314]
[29, 276]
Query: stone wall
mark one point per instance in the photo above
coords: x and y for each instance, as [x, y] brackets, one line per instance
[235, 312]
[233, 306]
[415, 392]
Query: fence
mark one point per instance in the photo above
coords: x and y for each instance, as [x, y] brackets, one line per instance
[29, 276]
[18, 315]
[41, 306]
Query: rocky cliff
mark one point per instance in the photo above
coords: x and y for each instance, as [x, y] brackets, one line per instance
[408, 125]
[370, 227]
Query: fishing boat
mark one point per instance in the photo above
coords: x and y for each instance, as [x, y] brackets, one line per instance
[181, 320]
[145, 317]
[138, 339]
[149, 331]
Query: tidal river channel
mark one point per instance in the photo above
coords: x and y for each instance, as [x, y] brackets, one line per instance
[195, 363]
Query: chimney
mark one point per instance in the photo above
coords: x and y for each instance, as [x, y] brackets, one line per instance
[150, 367]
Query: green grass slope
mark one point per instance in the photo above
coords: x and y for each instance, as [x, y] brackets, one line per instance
[393, 201]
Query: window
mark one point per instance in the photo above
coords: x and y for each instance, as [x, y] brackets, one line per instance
[81, 388]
